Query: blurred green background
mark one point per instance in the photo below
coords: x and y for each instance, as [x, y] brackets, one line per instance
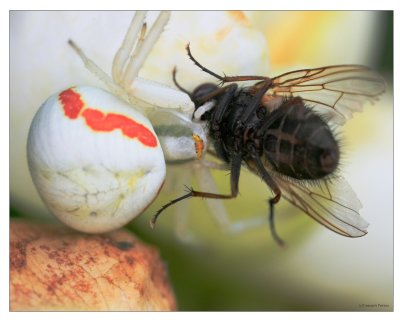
[318, 270]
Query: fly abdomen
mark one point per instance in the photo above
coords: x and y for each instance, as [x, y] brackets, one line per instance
[298, 142]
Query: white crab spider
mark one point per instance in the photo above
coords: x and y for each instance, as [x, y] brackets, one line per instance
[91, 172]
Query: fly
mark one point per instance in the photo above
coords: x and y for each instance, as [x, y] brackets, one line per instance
[280, 128]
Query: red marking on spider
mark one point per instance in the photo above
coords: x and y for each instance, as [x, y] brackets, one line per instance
[99, 121]
[71, 102]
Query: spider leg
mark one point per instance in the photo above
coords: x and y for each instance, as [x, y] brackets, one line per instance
[128, 44]
[139, 56]
[98, 72]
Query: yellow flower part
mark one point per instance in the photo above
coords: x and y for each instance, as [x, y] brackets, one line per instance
[317, 38]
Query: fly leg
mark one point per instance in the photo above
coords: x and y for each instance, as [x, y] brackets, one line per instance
[224, 79]
[262, 87]
[272, 201]
[235, 166]
[217, 208]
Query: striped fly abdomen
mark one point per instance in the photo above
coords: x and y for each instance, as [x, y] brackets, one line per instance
[299, 143]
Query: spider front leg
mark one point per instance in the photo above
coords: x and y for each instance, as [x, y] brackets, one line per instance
[136, 47]
[129, 59]
[98, 72]
[126, 68]
[134, 37]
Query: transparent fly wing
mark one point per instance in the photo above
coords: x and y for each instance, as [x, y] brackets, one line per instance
[332, 203]
[336, 91]
[181, 139]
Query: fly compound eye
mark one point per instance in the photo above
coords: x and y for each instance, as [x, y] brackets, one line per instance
[202, 91]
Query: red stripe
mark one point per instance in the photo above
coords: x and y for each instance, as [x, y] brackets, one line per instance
[72, 103]
[101, 122]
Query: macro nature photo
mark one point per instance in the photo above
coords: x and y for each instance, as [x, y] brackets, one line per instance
[201, 161]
